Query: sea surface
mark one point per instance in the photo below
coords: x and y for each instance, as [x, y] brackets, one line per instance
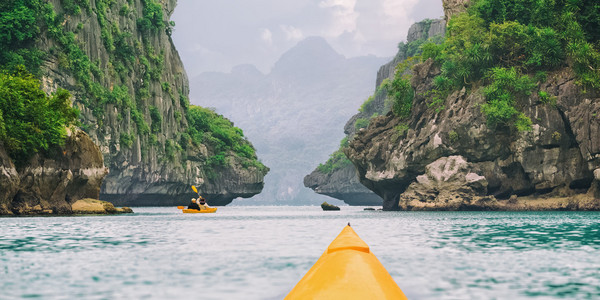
[262, 252]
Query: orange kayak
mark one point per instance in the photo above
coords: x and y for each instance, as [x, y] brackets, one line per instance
[196, 211]
[347, 270]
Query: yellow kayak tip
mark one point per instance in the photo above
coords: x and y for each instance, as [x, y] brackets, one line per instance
[347, 270]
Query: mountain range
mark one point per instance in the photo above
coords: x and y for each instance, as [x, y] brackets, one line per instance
[294, 115]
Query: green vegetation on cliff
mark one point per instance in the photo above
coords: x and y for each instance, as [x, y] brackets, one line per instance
[30, 120]
[213, 130]
[18, 31]
[503, 44]
[337, 160]
[106, 80]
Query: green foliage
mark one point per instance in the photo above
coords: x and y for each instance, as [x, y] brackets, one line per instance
[577, 21]
[547, 98]
[152, 21]
[430, 50]
[541, 76]
[401, 129]
[140, 122]
[126, 140]
[361, 123]
[337, 160]
[523, 123]
[505, 87]
[184, 101]
[212, 129]
[18, 31]
[465, 55]
[544, 97]
[31, 121]
[527, 47]
[497, 41]
[556, 136]
[171, 149]
[344, 142]
[124, 11]
[170, 27]
[156, 119]
[413, 48]
[453, 136]
[366, 104]
[401, 95]
[71, 7]
[218, 160]
[20, 23]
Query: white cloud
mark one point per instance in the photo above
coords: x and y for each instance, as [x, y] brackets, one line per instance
[343, 16]
[267, 36]
[291, 33]
[209, 32]
[398, 11]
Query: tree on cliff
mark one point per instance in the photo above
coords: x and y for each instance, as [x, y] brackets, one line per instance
[30, 120]
[18, 30]
[509, 45]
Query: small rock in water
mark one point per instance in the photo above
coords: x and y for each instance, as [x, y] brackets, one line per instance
[94, 206]
[327, 206]
[369, 208]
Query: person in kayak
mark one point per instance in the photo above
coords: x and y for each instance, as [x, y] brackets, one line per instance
[203, 204]
[193, 205]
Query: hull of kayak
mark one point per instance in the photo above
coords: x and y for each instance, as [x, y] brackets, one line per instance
[347, 270]
[203, 211]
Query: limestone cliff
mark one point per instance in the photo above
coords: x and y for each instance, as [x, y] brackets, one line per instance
[50, 183]
[118, 60]
[343, 183]
[453, 7]
[453, 159]
[561, 152]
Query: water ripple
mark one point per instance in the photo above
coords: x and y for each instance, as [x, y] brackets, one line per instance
[262, 252]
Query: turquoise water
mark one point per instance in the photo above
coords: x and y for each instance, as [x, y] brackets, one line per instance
[262, 252]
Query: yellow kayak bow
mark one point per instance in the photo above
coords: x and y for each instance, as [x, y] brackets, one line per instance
[347, 270]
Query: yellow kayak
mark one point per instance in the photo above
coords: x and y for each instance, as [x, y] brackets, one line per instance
[195, 211]
[347, 270]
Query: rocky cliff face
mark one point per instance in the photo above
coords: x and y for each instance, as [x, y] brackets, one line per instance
[452, 160]
[557, 158]
[51, 183]
[133, 104]
[9, 182]
[454, 7]
[343, 183]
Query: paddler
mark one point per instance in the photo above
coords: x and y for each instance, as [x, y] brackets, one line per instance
[193, 205]
[203, 204]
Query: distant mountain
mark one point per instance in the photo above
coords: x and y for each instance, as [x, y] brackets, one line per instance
[294, 114]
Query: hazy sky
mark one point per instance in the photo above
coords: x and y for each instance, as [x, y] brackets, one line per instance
[217, 35]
